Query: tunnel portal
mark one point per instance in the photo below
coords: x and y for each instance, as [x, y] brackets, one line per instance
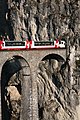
[15, 73]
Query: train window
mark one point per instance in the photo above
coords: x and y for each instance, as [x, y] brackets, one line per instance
[59, 42]
[43, 43]
[3, 44]
[19, 43]
[63, 42]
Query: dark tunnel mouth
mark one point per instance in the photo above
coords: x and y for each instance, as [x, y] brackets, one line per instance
[10, 67]
[54, 56]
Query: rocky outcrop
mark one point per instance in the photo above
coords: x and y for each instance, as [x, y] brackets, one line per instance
[41, 20]
[14, 102]
[13, 96]
[57, 95]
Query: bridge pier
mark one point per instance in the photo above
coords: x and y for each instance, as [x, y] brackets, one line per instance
[34, 97]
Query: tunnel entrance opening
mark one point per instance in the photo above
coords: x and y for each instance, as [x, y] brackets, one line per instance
[15, 74]
[54, 56]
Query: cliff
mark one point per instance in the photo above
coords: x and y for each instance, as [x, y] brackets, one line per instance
[41, 20]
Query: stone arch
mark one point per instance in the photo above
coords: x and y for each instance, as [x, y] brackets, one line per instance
[48, 81]
[15, 76]
[54, 56]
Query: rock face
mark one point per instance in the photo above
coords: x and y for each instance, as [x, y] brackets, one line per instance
[13, 97]
[14, 101]
[58, 99]
[40, 20]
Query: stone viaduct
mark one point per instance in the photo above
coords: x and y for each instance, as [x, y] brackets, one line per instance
[31, 60]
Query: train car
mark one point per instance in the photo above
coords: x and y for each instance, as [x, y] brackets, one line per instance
[14, 45]
[48, 44]
[28, 45]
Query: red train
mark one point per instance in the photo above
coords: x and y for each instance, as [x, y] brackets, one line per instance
[27, 45]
